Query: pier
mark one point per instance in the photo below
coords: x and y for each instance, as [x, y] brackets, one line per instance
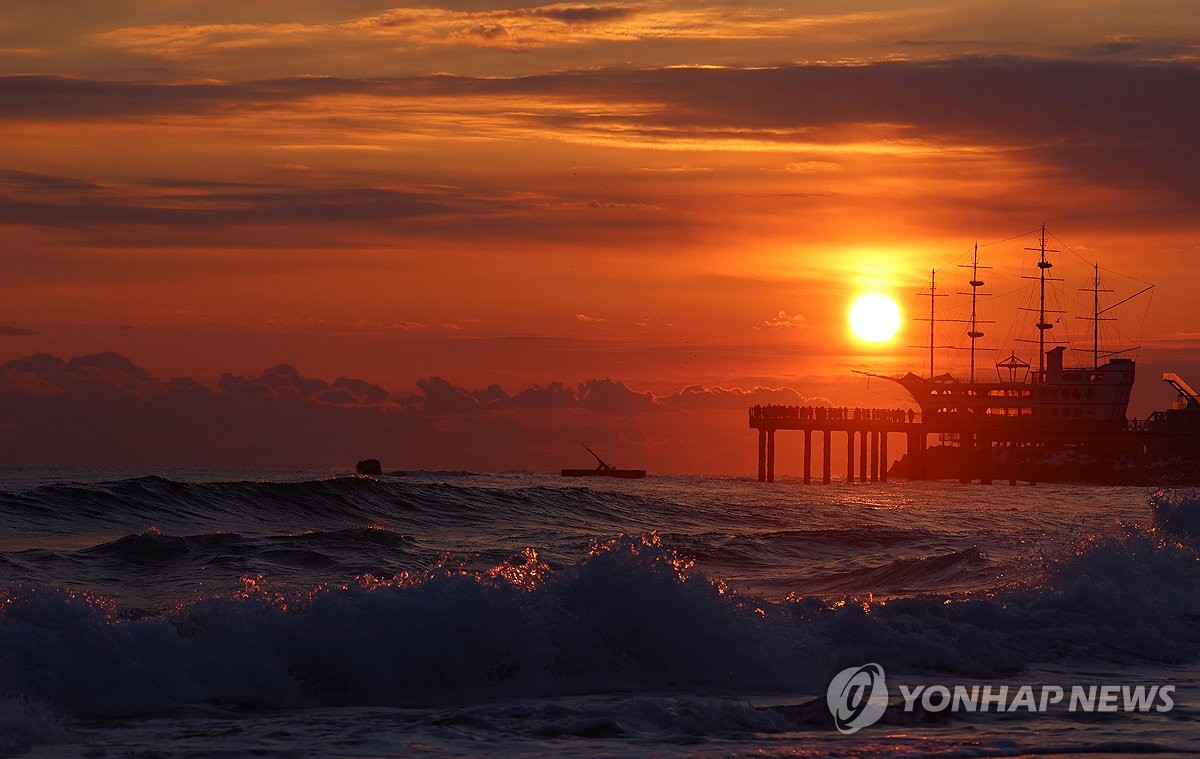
[1164, 435]
[866, 430]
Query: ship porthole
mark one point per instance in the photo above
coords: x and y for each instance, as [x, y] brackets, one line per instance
[1077, 393]
[1088, 393]
[1064, 393]
[1078, 411]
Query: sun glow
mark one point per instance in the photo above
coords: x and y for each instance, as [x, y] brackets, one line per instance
[874, 318]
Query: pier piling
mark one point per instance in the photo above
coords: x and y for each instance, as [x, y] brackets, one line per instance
[850, 456]
[762, 454]
[883, 456]
[770, 455]
[807, 456]
[826, 470]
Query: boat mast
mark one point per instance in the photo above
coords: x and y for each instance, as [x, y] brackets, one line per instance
[1042, 325]
[933, 294]
[1095, 318]
[974, 333]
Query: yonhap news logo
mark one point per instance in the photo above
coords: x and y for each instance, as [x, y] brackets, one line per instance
[858, 697]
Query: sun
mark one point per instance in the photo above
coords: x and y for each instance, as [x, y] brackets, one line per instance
[874, 318]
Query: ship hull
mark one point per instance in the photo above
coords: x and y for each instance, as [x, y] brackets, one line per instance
[1082, 401]
[624, 474]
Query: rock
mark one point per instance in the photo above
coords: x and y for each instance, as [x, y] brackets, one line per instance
[369, 466]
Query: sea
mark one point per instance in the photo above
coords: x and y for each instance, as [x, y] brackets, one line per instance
[311, 613]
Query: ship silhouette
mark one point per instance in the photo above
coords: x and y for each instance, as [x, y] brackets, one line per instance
[603, 469]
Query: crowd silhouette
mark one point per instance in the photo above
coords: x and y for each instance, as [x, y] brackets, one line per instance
[831, 413]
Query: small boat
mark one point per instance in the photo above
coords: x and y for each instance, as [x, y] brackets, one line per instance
[604, 470]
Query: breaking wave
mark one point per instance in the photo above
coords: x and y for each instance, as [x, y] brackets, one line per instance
[630, 615]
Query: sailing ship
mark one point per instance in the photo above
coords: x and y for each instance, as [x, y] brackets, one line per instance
[603, 469]
[1069, 400]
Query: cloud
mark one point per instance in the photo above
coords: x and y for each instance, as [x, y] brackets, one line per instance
[97, 374]
[308, 215]
[609, 396]
[285, 383]
[811, 167]
[361, 392]
[531, 27]
[781, 320]
[376, 326]
[684, 169]
[16, 332]
[438, 396]
[114, 373]
[105, 409]
[589, 319]
[584, 14]
[696, 397]
[24, 181]
[613, 397]
[1106, 122]
[936, 43]
[484, 35]
[204, 210]
[1133, 46]
[554, 395]
[109, 367]
[62, 97]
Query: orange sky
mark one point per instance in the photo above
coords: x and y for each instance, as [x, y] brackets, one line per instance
[662, 193]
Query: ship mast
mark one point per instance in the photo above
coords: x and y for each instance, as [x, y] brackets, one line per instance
[975, 333]
[1097, 315]
[1095, 318]
[1042, 325]
[933, 294]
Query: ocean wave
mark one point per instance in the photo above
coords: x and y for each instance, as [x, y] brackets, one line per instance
[25, 722]
[155, 500]
[906, 576]
[1177, 513]
[178, 561]
[632, 615]
[786, 546]
[154, 547]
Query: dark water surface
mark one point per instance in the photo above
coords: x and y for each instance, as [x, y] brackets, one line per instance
[194, 612]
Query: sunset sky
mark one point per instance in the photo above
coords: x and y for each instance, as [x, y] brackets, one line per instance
[637, 212]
